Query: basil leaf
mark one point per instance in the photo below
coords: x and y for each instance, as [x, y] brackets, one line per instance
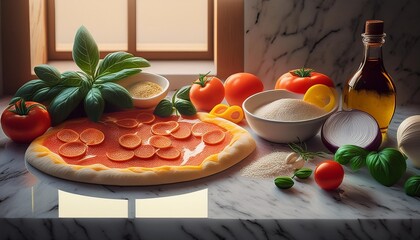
[51, 94]
[164, 108]
[284, 182]
[116, 95]
[303, 173]
[353, 154]
[41, 94]
[412, 186]
[28, 89]
[94, 104]
[47, 73]
[185, 107]
[110, 61]
[118, 61]
[64, 103]
[184, 93]
[85, 51]
[113, 77]
[72, 79]
[386, 166]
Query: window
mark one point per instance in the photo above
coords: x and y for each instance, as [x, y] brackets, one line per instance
[26, 42]
[181, 29]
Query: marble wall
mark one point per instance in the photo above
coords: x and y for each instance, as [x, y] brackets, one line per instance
[325, 35]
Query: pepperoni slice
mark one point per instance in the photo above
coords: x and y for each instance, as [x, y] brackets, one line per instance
[127, 123]
[144, 151]
[72, 149]
[159, 141]
[170, 153]
[198, 129]
[92, 136]
[213, 137]
[145, 117]
[120, 155]
[182, 132]
[164, 128]
[67, 135]
[129, 141]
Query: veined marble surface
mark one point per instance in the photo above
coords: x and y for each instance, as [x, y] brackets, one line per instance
[281, 35]
[34, 205]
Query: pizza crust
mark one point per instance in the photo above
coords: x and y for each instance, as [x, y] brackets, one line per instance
[241, 145]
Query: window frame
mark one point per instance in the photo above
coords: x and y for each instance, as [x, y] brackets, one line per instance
[18, 62]
[53, 54]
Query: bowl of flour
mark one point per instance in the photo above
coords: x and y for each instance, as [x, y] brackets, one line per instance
[281, 116]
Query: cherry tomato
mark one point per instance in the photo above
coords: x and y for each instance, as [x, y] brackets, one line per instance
[300, 80]
[329, 175]
[240, 86]
[207, 92]
[24, 121]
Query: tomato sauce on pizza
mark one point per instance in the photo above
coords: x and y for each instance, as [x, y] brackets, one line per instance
[192, 148]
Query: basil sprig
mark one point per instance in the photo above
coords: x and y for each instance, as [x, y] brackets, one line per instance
[94, 86]
[352, 154]
[180, 102]
[284, 182]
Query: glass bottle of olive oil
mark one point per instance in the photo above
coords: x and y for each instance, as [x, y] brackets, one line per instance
[371, 88]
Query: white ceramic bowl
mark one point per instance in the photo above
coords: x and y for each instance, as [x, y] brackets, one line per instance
[143, 76]
[280, 131]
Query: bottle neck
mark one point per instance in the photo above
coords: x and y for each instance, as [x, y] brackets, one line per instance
[373, 46]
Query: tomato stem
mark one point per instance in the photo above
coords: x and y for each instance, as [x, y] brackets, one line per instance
[303, 72]
[21, 108]
[202, 79]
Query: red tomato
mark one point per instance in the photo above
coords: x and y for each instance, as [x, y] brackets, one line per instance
[207, 92]
[329, 175]
[300, 80]
[240, 86]
[24, 121]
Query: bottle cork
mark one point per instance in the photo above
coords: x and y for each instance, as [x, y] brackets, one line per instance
[374, 27]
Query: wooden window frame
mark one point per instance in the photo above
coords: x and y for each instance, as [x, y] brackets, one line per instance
[17, 42]
[53, 54]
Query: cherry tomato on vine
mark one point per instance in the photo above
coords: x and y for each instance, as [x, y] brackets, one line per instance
[240, 86]
[207, 92]
[24, 121]
[300, 80]
[329, 175]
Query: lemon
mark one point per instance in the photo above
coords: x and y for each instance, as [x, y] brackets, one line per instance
[321, 96]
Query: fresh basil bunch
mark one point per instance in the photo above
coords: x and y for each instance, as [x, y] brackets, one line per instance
[94, 85]
[386, 166]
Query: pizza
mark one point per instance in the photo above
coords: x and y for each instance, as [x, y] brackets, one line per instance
[138, 148]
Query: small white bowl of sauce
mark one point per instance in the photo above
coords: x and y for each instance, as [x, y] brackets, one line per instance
[146, 89]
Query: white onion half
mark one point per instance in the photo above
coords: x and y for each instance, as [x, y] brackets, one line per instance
[351, 127]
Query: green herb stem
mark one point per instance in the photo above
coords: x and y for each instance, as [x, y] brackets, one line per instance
[303, 72]
[303, 152]
[21, 108]
[202, 79]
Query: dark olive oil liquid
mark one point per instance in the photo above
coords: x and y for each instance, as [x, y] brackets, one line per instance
[371, 90]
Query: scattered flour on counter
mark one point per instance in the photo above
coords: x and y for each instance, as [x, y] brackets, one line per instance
[289, 109]
[273, 165]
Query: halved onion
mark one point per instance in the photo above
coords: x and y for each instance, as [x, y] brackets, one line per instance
[351, 127]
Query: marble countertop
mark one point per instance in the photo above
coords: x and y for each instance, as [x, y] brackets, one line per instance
[34, 205]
